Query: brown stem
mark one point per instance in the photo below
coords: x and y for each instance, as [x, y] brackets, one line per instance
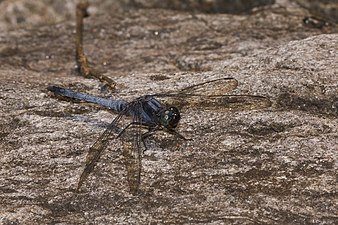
[81, 58]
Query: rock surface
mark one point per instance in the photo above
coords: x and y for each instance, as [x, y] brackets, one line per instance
[275, 165]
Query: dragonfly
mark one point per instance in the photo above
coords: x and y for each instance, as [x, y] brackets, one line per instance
[149, 115]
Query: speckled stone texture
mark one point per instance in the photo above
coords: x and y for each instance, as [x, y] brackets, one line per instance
[276, 165]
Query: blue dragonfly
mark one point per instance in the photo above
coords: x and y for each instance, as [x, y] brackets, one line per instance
[148, 116]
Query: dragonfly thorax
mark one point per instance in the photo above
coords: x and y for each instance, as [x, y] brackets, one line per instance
[169, 117]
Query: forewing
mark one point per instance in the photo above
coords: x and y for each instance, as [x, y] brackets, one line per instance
[219, 86]
[229, 102]
[96, 150]
[132, 153]
[132, 150]
[212, 95]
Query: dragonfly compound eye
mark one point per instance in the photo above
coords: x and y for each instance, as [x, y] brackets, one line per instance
[170, 117]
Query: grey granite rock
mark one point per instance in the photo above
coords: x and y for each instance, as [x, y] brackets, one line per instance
[275, 165]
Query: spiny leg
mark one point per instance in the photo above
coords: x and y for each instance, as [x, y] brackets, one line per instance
[134, 123]
[141, 125]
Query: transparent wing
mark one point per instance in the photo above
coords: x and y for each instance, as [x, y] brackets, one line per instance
[97, 148]
[132, 150]
[212, 95]
[211, 88]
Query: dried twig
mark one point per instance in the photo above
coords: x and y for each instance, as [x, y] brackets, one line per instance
[81, 58]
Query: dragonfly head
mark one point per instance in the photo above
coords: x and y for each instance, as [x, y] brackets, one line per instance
[170, 117]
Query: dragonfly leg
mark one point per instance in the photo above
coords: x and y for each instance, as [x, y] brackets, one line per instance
[129, 125]
[152, 131]
[174, 132]
[146, 135]
[144, 144]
